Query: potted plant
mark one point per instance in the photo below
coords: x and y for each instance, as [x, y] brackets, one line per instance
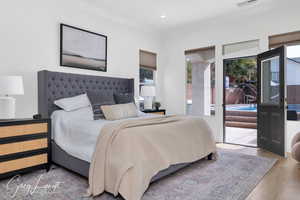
[157, 105]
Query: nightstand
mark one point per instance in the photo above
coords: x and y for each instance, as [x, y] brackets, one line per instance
[24, 146]
[157, 112]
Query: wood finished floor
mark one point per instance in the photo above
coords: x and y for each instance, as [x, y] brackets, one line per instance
[282, 182]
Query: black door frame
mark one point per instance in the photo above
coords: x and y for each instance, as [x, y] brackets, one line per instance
[224, 100]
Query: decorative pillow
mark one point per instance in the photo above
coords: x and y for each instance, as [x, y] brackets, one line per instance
[119, 111]
[296, 139]
[296, 147]
[97, 100]
[296, 151]
[122, 98]
[73, 103]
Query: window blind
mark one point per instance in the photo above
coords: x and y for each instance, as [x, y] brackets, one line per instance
[284, 39]
[200, 50]
[148, 59]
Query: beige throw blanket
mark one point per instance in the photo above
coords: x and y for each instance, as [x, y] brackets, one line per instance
[129, 153]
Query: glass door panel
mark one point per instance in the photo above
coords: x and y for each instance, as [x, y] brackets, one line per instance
[270, 86]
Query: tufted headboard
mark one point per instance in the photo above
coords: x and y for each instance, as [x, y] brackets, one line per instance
[57, 85]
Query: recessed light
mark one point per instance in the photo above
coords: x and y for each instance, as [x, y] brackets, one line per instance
[163, 16]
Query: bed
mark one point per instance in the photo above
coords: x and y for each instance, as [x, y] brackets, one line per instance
[57, 85]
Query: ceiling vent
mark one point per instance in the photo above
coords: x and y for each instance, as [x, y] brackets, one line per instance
[247, 3]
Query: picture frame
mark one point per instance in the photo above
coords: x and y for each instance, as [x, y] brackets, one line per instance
[82, 49]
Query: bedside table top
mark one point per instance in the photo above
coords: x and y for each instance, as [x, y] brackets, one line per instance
[4, 122]
[153, 110]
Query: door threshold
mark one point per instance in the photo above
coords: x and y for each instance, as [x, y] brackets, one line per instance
[243, 145]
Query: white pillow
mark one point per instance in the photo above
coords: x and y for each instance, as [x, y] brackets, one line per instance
[119, 111]
[73, 103]
[83, 114]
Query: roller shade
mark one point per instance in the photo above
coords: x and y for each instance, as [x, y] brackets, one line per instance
[148, 59]
[206, 54]
[282, 39]
[200, 50]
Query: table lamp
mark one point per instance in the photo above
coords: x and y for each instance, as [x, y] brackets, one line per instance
[148, 92]
[9, 85]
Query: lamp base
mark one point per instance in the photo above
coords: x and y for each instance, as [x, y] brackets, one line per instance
[7, 107]
[148, 103]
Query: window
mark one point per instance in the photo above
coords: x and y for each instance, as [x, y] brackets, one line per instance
[284, 39]
[247, 47]
[270, 88]
[148, 65]
[147, 76]
[200, 81]
[275, 76]
[292, 41]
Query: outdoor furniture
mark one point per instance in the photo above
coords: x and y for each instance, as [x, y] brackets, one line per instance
[292, 115]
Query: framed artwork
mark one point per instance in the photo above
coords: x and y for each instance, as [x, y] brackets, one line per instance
[82, 49]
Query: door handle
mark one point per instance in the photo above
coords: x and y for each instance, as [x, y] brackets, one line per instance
[283, 107]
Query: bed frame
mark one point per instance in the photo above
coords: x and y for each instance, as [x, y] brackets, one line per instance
[56, 85]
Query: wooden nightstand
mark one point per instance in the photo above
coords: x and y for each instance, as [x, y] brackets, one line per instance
[24, 146]
[157, 112]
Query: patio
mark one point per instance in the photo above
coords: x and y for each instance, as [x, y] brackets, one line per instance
[241, 136]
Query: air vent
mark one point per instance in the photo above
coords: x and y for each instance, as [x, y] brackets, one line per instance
[247, 3]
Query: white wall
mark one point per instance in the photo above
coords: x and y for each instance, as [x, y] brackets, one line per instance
[29, 42]
[282, 17]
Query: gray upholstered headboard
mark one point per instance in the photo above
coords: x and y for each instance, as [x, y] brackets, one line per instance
[57, 85]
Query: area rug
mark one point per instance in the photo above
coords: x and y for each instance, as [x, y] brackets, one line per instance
[231, 177]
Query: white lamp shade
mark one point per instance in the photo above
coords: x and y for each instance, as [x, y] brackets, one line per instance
[148, 91]
[11, 85]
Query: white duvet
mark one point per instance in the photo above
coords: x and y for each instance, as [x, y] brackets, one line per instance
[76, 132]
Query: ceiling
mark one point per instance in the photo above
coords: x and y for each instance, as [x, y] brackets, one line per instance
[177, 12]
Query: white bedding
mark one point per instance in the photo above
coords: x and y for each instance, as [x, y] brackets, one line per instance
[76, 132]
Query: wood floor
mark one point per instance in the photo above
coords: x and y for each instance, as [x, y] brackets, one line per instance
[282, 182]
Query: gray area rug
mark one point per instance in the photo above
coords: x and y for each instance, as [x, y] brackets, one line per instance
[231, 177]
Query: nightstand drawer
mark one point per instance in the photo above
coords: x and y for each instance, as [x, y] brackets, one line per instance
[18, 130]
[22, 163]
[18, 147]
[158, 113]
[24, 146]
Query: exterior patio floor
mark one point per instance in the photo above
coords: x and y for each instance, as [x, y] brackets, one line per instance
[241, 136]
